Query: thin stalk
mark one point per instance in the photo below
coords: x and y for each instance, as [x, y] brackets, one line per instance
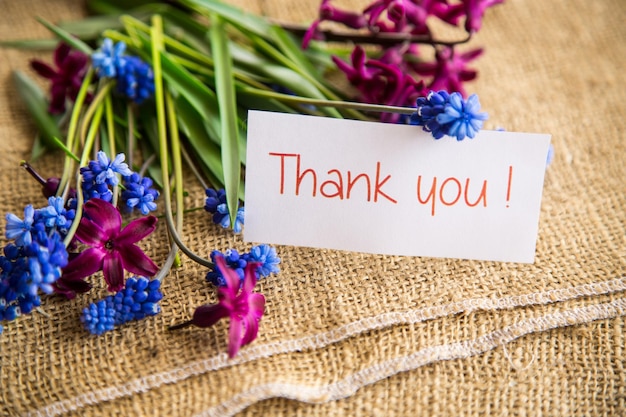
[86, 121]
[130, 116]
[381, 108]
[173, 44]
[193, 167]
[91, 137]
[71, 132]
[157, 47]
[146, 164]
[176, 159]
[41, 180]
[108, 109]
[381, 38]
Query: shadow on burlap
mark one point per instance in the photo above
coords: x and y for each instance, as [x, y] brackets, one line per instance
[365, 334]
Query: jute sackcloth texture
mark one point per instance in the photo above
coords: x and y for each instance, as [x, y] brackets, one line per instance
[355, 334]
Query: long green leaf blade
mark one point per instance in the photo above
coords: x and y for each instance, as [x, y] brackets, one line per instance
[66, 37]
[37, 105]
[226, 98]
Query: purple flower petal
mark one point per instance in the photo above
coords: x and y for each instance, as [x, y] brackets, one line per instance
[251, 330]
[135, 261]
[43, 69]
[234, 336]
[230, 276]
[61, 53]
[208, 315]
[256, 304]
[69, 287]
[87, 262]
[104, 215]
[136, 230]
[113, 272]
[90, 233]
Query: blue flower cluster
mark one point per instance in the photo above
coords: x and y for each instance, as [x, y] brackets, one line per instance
[101, 174]
[139, 193]
[264, 254]
[134, 77]
[32, 262]
[138, 299]
[448, 114]
[216, 204]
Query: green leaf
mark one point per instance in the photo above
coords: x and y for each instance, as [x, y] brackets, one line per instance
[226, 98]
[195, 130]
[182, 82]
[38, 149]
[66, 37]
[91, 27]
[114, 6]
[37, 105]
[233, 15]
[31, 44]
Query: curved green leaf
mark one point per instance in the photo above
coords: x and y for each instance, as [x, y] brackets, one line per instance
[37, 105]
[225, 88]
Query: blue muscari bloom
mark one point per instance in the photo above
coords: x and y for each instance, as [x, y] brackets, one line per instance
[448, 114]
[26, 270]
[135, 80]
[109, 168]
[98, 175]
[139, 193]
[19, 229]
[216, 204]
[267, 257]
[46, 258]
[428, 108]
[56, 216]
[109, 58]
[234, 260]
[224, 218]
[263, 254]
[463, 118]
[139, 299]
[213, 199]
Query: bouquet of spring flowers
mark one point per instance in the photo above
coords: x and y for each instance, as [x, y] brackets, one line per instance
[142, 89]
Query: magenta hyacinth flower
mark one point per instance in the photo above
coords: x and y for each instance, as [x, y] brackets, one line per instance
[450, 70]
[333, 14]
[244, 307]
[475, 9]
[66, 78]
[111, 248]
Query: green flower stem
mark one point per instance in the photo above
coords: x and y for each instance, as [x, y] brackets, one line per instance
[193, 168]
[71, 133]
[173, 44]
[285, 61]
[157, 47]
[146, 164]
[91, 137]
[195, 60]
[176, 159]
[97, 101]
[108, 109]
[329, 103]
[130, 116]
[116, 36]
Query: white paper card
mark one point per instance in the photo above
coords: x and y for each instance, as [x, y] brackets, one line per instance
[392, 189]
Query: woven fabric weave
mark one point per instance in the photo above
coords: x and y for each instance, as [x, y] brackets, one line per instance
[356, 334]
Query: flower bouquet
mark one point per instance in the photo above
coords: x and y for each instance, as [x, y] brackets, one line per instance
[144, 93]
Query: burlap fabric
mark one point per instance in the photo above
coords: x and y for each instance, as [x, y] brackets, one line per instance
[353, 334]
